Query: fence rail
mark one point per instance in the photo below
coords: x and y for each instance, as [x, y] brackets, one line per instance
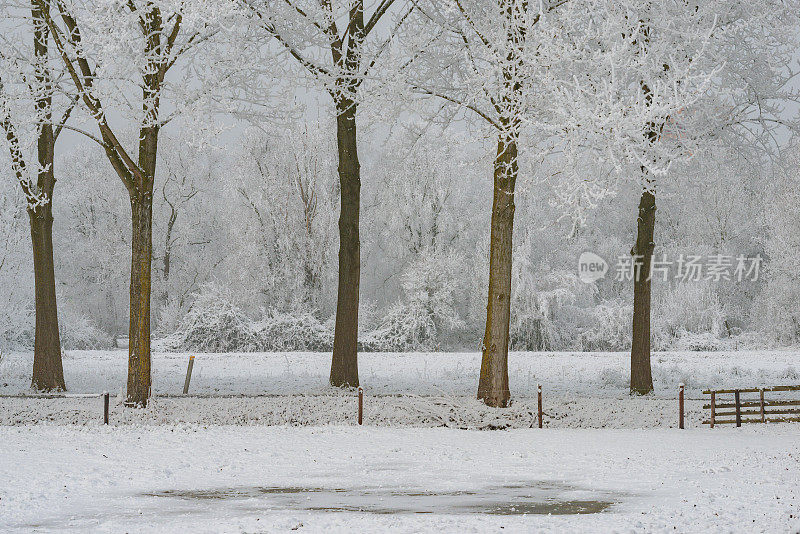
[106, 398]
[737, 411]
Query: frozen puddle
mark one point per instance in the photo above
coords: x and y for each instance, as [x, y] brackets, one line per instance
[537, 498]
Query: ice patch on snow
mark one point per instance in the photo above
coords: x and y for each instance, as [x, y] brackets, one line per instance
[540, 498]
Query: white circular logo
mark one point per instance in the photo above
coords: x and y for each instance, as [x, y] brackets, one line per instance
[591, 267]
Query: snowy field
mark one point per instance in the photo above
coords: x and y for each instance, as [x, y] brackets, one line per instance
[293, 457]
[349, 479]
[581, 390]
[441, 373]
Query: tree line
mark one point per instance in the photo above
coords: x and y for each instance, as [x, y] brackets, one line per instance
[637, 88]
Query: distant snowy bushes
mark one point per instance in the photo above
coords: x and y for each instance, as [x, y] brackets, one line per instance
[78, 332]
[776, 312]
[428, 307]
[16, 272]
[406, 326]
[427, 310]
[214, 323]
[16, 328]
[690, 317]
[608, 327]
[556, 311]
[286, 331]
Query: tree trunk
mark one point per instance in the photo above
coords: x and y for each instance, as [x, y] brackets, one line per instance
[493, 384]
[48, 371]
[344, 364]
[139, 333]
[641, 376]
[141, 266]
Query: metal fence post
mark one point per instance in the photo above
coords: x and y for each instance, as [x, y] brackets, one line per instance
[680, 407]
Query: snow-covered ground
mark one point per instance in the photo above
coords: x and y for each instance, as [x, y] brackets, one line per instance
[294, 457]
[440, 373]
[351, 479]
[581, 390]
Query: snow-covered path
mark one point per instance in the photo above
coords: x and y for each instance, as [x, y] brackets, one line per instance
[263, 479]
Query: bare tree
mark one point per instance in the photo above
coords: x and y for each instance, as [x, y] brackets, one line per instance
[159, 38]
[679, 77]
[355, 45]
[480, 58]
[48, 371]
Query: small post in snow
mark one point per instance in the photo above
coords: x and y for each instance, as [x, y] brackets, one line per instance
[763, 413]
[105, 407]
[360, 405]
[540, 405]
[738, 408]
[680, 407]
[188, 375]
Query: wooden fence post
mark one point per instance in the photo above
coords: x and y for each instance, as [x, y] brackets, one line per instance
[763, 413]
[713, 407]
[540, 405]
[188, 375]
[360, 405]
[105, 407]
[738, 408]
[680, 407]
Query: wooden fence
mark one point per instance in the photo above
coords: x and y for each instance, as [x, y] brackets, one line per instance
[751, 405]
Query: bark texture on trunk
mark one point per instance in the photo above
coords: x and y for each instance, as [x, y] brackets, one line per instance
[493, 384]
[48, 371]
[140, 190]
[139, 331]
[141, 270]
[641, 375]
[344, 364]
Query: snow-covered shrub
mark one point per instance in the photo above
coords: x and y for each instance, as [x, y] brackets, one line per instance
[17, 327]
[775, 312]
[688, 308]
[170, 314]
[609, 329]
[789, 373]
[369, 316]
[282, 331]
[780, 316]
[78, 332]
[406, 326]
[530, 328]
[428, 308]
[748, 341]
[16, 271]
[558, 312]
[697, 342]
[538, 305]
[214, 324]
